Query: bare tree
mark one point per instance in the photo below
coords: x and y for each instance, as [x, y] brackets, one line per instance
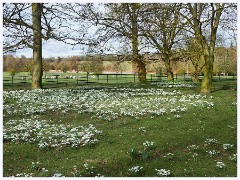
[162, 27]
[49, 21]
[121, 23]
[194, 54]
[204, 19]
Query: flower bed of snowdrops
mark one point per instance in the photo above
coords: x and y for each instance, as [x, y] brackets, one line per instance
[107, 103]
[101, 102]
[23, 122]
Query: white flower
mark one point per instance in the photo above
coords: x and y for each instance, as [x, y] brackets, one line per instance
[148, 143]
[135, 169]
[212, 152]
[220, 165]
[211, 141]
[163, 172]
[44, 170]
[57, 175]
[227, 146]
[233, 158]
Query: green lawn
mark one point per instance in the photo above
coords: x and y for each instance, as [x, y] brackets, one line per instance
[189, 143]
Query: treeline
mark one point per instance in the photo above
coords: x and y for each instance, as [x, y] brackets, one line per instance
[179, 32]
[225, 63]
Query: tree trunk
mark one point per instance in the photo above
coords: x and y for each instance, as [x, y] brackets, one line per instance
[208, 72]
[141, 71]
[137, 61]
[168, 66]
[37, 46]
[195, 77]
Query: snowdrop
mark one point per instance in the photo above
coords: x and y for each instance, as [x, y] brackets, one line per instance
[48, 135]
[102, 102]
[211, 141]
[220, 165]
[135, 169]
[227, 146]
[163, 172]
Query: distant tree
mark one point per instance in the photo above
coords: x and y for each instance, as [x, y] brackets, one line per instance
[119, 67]
[46, 66]
[13, 65]
[226, 60]
[194, 54]
[63, 66]
[95, 65]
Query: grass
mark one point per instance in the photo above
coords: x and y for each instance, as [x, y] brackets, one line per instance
[110, 156]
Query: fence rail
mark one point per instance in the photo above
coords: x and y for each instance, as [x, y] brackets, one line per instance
[78, 79]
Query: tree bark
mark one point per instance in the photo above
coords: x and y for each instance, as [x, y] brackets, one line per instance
[208, 49]
[208, 71]
[141, 68]
[168, 65]
[37, 46]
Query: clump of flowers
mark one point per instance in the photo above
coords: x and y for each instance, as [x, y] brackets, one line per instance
[212, 152]
[220, 165]
[149, 145]
[135, 170]
[227, 146]
[233, 158]
[163, 172]
[58, 175]
[177, 116]
[24, 175]
[49, 135]
[143, 129]
[145, 154]
[101, 102]
[36, 165]
[192, 147]
[195, 156]
[86, 171]
[211, 141]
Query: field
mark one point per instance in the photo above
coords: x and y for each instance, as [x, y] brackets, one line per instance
[120, 130]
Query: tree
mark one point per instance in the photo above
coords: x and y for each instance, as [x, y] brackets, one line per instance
[13, 65]
[118, 22]
[162, 27]
[49, 21]
[37, 45]
[93, 64]
[204, 20]
[195, 55]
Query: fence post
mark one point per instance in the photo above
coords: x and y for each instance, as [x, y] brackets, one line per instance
[87, 78]
[134, 77]
[12, 80]
[107, 78]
